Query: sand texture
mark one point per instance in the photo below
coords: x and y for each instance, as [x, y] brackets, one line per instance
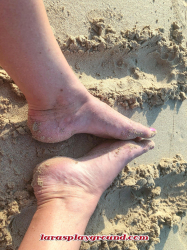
[133, 56]
[117, 62]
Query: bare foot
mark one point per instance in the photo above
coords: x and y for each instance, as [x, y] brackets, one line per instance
[70, 180]
[80, 112]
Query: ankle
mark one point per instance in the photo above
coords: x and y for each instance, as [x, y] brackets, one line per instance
[84, 206]
[60, 96]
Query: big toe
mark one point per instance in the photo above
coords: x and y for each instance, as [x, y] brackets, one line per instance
[139, 130]
[109, 158]
[109, 123]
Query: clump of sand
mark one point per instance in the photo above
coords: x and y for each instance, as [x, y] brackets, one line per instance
[10, 205]
[159, 195]
[6, 79]
[132, 67]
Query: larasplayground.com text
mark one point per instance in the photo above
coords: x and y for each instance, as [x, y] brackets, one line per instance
[92, 238]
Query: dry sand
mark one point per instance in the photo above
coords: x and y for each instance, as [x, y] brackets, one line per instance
[132, 55]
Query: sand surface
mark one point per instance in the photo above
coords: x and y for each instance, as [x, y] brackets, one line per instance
[131, 55]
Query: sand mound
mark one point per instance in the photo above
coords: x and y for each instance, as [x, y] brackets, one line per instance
[152, 196]
[131, 68]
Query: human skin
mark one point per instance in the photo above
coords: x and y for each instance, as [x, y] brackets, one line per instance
[59, 106]
[68, 190]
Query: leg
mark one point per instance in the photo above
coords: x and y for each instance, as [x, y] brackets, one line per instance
[59, 105]
[68, 191]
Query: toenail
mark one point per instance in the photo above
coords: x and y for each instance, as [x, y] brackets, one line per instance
[152, 129]
[151, 145]
[154, 132]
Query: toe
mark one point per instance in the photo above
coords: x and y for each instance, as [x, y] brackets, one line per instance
[136, 130]
[129, 150]
[109, 158]
[108, 123]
